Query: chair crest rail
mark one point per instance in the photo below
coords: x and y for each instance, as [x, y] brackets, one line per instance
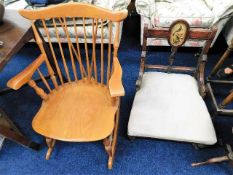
[74, 10]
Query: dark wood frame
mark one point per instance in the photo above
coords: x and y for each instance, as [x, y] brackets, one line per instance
[219, 108]
[194, 33]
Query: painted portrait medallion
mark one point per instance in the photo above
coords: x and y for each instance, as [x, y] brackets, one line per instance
[178, 33]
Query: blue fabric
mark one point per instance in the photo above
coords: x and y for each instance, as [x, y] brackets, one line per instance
[43, 2]
[141, 156]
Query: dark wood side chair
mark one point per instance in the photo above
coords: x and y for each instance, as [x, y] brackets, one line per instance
[82, 103]
[169, 100]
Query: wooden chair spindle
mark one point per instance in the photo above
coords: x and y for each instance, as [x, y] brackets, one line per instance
[86, 49]
[78, 56]
[102, 53]
[61, 51]
[94, 34]
[39, 91]
[70, 50]
[44, 80]
[41, 47]
[109, 51]
[52, 50]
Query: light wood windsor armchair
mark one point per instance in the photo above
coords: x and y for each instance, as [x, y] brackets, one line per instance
[84, 104]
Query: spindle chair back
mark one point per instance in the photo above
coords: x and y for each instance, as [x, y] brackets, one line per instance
[81, 103]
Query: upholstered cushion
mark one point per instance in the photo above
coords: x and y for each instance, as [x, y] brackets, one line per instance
[113, 4]
[168, 106]
[222, 9]
[209, 3]
[228, 31]
[196, 14]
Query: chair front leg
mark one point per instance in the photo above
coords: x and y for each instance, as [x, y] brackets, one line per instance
[50, 143]
[111, 141]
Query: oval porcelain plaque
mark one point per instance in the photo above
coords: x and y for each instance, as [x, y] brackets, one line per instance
[178, 33]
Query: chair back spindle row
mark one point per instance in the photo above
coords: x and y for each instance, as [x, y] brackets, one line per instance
[70, 61]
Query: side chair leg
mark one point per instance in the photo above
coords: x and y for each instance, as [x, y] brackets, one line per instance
[50, 143]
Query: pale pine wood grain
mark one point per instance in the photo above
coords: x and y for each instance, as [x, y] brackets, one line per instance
[41, 47]
[53, 52]
[74, 10]
[44, 80]
[86, 108]
[61, 51]
[25, 76]
[109, 51]
[115, 83]
[38, 90]
[76, 112]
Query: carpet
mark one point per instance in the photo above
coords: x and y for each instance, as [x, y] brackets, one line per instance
[141, 156]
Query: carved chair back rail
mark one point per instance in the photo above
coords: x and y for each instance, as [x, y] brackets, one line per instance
[191, 34]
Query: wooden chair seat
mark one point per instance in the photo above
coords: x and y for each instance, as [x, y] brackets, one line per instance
[78, 111]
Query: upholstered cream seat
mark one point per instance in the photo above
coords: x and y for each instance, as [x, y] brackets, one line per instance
[169, 106]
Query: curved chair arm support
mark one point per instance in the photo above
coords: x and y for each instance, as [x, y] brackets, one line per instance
[25, 76]
[115, 83]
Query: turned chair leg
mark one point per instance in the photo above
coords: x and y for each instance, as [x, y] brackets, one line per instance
[108, 148]
[110, 142]
[50, 143]
[211, 161]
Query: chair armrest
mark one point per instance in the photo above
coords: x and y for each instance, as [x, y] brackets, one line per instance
[115, 83]
[23, 77]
